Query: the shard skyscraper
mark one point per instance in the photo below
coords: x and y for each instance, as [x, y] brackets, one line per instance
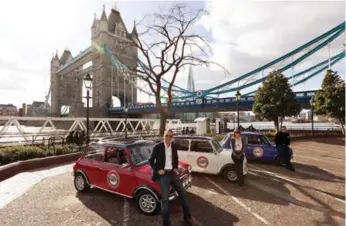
[190, 81]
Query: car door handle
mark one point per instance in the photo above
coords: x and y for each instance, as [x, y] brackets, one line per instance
[100, 169]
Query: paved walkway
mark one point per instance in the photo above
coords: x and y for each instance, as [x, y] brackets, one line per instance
[16, 186]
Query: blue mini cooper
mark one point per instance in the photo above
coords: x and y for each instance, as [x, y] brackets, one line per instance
[258, 147]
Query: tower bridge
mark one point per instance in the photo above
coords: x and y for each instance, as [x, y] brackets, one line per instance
[113, 75]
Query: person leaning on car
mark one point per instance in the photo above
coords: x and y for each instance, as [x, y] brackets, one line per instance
[238, 145]
[164, 161]
[282, 141]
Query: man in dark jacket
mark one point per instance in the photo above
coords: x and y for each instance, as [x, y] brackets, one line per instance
[282, 141]
[164, 162]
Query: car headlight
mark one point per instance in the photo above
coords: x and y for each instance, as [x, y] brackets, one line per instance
[189, 168]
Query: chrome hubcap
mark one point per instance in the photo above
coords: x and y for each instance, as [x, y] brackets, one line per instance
[231, 175]
[147, 203]
[80, 184]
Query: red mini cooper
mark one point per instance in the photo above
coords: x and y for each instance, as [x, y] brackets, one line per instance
[122, 168]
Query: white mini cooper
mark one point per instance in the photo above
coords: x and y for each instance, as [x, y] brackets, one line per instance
[205, 155]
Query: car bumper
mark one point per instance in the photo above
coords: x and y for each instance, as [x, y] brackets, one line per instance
[186, 182]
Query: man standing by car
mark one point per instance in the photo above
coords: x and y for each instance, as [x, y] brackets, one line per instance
[282, 141]
[164, 161]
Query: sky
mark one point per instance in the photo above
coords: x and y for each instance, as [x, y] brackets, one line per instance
[243, 35]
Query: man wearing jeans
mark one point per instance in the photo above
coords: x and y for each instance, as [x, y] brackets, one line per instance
[282, 141]
[164, 161]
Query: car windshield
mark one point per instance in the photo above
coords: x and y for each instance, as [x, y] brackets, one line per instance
[141, 153]
[267, 141]
[216, 145]
[224, 140]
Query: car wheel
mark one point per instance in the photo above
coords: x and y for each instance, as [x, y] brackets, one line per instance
[280, 161]
[80, 183]
[147, 203]
[229, 174]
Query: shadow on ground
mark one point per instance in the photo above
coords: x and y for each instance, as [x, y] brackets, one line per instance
[303, 171]
[265, 188]
[106, 205]
[233, 189]
[206, 212]
[337, 140]
[110, 208]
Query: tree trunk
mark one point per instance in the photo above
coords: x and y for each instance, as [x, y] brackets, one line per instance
[163, 118]
[276, 124]
[281, 120]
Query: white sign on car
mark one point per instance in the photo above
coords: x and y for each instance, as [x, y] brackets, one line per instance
[205, 155]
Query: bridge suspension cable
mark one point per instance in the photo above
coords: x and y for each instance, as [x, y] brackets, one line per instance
[295, 62]
[334, 60]
[125, 72]
[338, 29]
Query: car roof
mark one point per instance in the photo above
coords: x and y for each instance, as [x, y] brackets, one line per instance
[121, 142]
[193, 137]
[247, 133]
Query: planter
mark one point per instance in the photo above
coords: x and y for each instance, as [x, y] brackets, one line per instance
[12, 169]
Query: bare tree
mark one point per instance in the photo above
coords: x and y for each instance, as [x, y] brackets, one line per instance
[173, 45]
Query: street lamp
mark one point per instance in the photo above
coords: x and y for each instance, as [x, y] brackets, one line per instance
[126, 109]
[87, 83]
[312, 103]
[238, 95]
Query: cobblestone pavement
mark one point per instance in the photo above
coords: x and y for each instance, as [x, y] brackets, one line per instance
[313, 195]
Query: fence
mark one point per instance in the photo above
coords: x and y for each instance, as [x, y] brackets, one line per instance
[19, 130]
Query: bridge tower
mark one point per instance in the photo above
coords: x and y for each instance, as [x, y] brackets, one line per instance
[107, 80]
[55, 83]
[65, 89]
[67, 72]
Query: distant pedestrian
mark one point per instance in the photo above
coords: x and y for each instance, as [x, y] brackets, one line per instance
[69, 138]
[283, 141]
[238, 145]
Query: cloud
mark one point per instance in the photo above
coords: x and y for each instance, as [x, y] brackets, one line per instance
[248, 34]
[244, 35]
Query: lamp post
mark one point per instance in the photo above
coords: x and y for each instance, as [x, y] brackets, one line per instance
[312, 103]
[126, 110]
[87, 83]
[237, 95]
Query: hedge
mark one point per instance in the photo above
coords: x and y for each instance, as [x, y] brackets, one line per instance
[11, 154]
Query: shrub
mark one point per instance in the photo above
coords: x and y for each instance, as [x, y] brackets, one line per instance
[270, 134]
[11, 154]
